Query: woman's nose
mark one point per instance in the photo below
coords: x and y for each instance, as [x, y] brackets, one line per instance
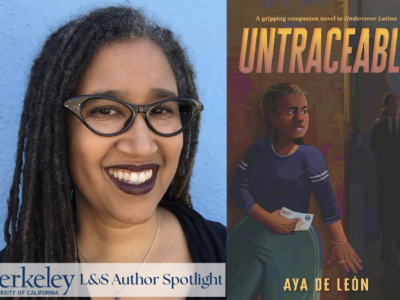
[299, 117]
[138, 139]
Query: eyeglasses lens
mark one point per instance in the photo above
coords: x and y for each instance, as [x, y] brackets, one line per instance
[109, 116]
[106, 116]
[169, 117]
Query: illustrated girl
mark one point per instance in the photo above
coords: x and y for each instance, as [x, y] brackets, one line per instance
[280, 171]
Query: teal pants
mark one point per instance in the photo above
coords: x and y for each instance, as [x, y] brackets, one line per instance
[260, 260]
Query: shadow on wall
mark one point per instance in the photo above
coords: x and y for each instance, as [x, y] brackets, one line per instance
[363, 212]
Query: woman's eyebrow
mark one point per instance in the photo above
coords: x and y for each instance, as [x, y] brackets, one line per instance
[163, 93]
[296, 107]
[158, 93]
[111, 93]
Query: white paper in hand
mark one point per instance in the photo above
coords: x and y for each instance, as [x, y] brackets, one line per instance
[305, 219]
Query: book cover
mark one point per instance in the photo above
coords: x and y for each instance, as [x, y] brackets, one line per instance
[342, 57]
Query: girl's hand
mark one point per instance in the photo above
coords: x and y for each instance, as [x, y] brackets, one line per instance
[273, 220]
[346, 256]
[280, 224]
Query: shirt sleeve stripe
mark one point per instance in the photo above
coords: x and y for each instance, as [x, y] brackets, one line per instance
[244, 164]
[320, 178]
[242, 167]
[316, 176]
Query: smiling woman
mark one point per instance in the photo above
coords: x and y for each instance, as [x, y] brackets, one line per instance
[106, 148]
[133, 70]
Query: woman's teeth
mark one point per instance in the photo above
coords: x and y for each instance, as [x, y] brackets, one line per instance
[131, 177]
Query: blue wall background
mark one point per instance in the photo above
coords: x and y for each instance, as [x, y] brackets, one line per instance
[25, 25]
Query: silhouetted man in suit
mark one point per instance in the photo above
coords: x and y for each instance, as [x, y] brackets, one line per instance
[385, 140]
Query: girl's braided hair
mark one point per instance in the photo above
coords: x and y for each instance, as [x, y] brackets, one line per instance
[270, 103]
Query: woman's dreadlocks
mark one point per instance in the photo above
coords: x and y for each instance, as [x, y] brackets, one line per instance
[41, 220]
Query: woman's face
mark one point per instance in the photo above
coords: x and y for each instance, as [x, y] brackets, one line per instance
[137, 72]
[292, 116]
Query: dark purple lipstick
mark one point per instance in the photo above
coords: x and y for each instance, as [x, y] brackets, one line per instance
[134, 189]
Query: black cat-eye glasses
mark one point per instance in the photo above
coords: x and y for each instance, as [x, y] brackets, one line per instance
[108, 116]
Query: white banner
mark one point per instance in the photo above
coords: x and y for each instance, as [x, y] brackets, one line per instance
[112, 280]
